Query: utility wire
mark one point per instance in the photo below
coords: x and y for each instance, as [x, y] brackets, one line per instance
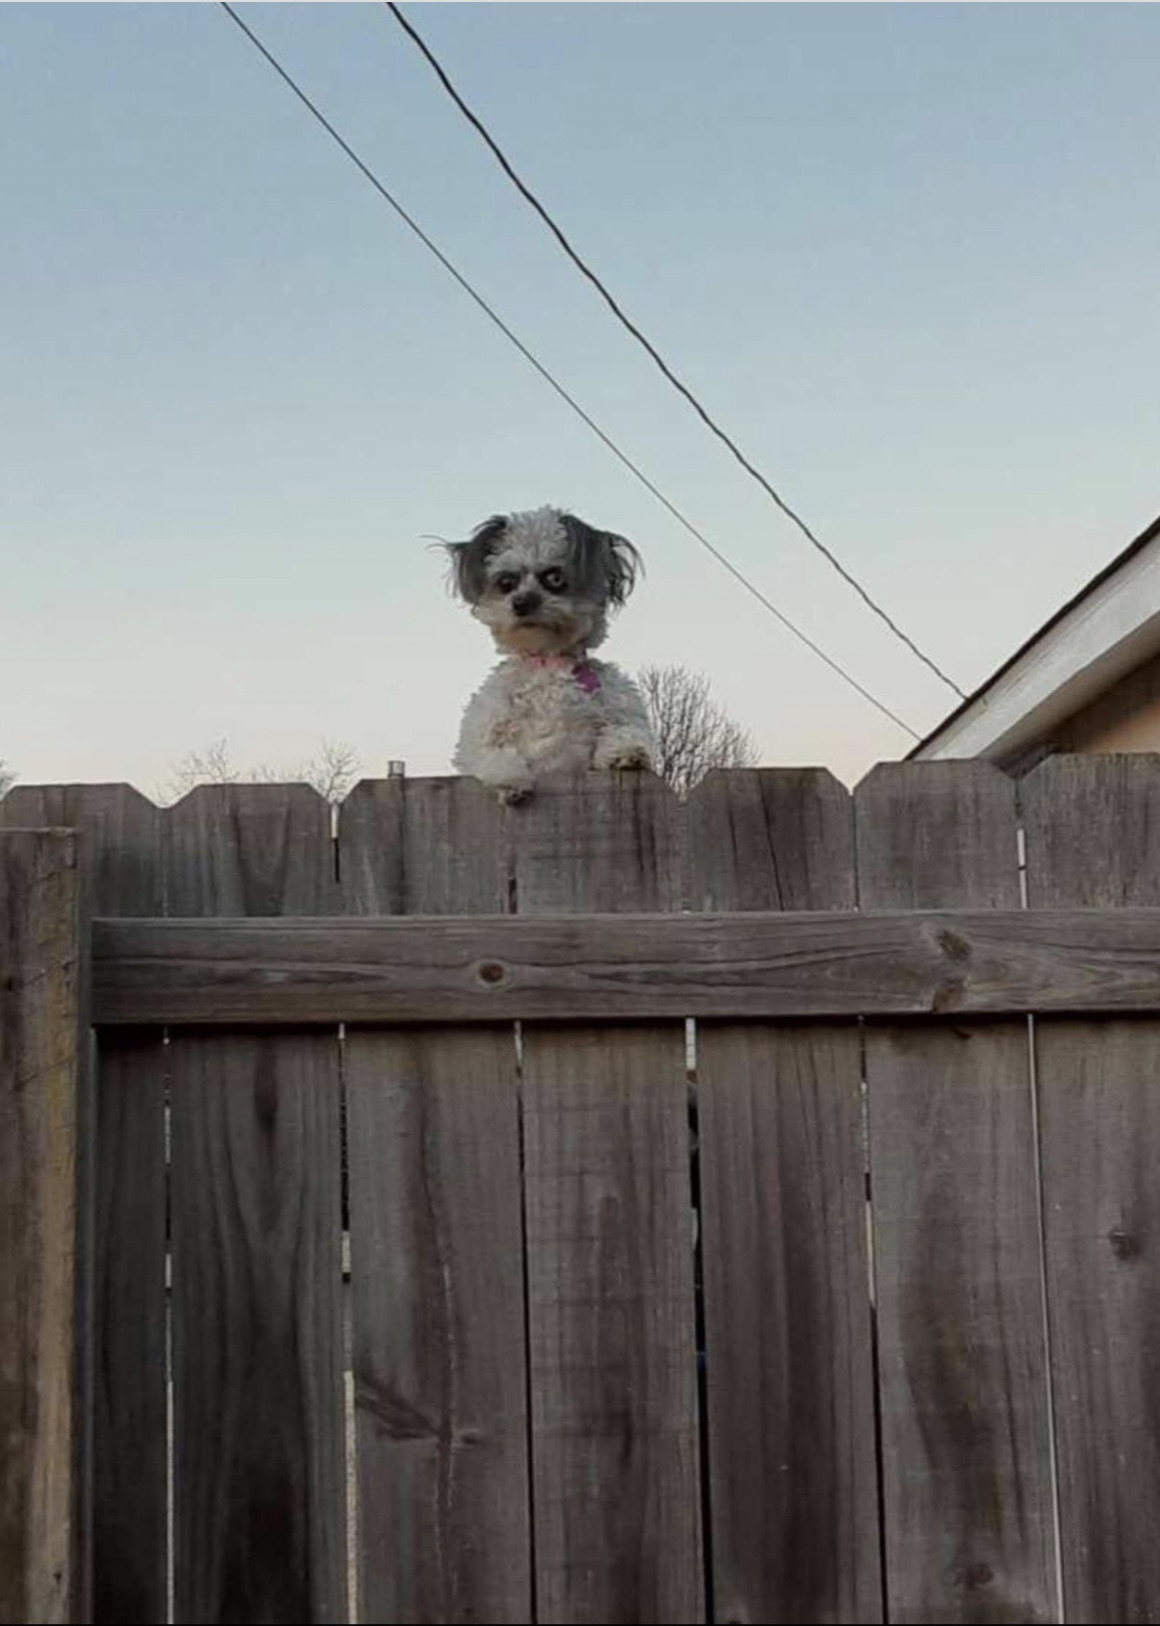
[528, 356]
[526, 192]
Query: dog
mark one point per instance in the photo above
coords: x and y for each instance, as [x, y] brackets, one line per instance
[544, 584]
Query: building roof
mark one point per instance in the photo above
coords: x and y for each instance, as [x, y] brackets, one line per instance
[1110, 626]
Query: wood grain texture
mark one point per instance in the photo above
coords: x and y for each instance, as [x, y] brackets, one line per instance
[936, 835]
[119, 837]
[1093, 838]
[245, 850]
[436, 1247]
[613, 1356]
[577, 968]
[39, 1034]
[131, 1493]
[608, 1211]
[789, 1367]
[437, 1301]
[260, 1514]
[121, 1185]
[963, 1383]
[770, 839]
[965, 1449]
[258, 1467]
[596, 843]
[423, 847]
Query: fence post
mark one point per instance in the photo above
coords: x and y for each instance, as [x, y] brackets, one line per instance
[40, 1033]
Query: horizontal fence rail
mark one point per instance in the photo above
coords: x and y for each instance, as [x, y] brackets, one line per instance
[625, 967]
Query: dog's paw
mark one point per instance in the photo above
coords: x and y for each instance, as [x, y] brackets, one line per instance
[503, 771]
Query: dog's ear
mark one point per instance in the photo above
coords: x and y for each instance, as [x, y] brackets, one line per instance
[602, 564]
[469, 559]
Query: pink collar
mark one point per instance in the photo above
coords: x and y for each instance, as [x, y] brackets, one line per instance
[581, 668]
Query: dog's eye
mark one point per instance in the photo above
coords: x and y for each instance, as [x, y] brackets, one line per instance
[553, 580]
[507, 583]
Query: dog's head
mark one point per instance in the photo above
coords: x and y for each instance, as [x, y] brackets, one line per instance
[543, 582]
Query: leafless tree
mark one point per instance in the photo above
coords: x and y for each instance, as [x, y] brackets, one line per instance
[7, 778]
[693, 733]
[332, 770]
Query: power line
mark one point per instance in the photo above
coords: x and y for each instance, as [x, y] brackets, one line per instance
[528, 356]
[636, 333]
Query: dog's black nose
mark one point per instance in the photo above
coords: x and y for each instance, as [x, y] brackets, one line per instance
[526, 603]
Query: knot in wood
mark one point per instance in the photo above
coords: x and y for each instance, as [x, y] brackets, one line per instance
[1125, 1244]
[953, 946]
[492, 972]
[971, 1577]
[946, 997]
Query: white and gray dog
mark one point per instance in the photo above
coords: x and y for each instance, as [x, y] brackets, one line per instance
[544, 583]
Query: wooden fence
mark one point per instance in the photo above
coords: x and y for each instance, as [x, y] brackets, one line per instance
[863, 1327]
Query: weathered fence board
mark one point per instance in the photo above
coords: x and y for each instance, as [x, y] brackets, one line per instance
[130, 1457]
[260, 1507]
[769, 839]
[39, 1031]
[249, 850]
[962, 1364]
[609, 1245]
[789, 1376]
[439, 1353]
[596, 844]
[610, 1300]
[121, 1194]
[258, 1464]
[605, 967]
[423, 847]
[436, 1246]
[1093, 838]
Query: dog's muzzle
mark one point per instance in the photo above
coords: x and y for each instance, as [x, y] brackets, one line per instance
[525, 604]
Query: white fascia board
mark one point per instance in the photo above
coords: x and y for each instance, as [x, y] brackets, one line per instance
[1100, 639]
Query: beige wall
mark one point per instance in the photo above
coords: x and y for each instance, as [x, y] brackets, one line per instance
[1125, 718]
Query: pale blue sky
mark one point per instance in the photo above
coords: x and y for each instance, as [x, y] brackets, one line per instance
[908, 254]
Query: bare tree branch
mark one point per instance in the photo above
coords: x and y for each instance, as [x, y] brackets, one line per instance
[693, 733]
[332, 771]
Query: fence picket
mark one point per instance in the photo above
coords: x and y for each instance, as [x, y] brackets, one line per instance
[1093, 840]
[789, 1373]
[436, 1250]
[260, 1508]
[613, 1358]
[609, 1239]
[963, 1381]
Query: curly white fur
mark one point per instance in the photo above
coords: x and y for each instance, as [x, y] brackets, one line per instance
[527, 721]
[543, 583]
